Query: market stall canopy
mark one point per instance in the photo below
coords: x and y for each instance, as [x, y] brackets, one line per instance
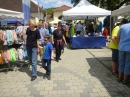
[4, 13]
[122, 11]
[11, 20]
[84, 10]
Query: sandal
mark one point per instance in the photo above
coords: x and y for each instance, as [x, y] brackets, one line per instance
[125, 82]
[120, 80]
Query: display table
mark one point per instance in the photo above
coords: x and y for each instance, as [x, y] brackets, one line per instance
[88, 42]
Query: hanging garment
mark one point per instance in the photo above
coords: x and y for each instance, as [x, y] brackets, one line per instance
[4, 38]
[67, 32]
[8, 55]
[20, 54]
[70, 30]
[1, 57]
[9, 38]
[25, 54]
[14, 37]
[13, 55]
[16, 53]
[73, 31]
[5, 57]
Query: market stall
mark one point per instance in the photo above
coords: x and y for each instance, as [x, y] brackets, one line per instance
[85, 10]
[9, 42]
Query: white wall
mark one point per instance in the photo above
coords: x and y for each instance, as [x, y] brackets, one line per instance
[36, 15]
[56, 15]
[49, 20]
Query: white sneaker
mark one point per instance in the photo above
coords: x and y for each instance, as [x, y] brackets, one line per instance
[62, 51]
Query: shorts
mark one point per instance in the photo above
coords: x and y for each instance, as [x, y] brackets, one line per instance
[124, 62]
[115, 54]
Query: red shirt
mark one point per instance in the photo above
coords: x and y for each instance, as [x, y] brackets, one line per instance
[105, 33]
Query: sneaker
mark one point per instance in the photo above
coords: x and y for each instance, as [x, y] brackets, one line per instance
[57, 60]
[62, 51]
[125, 82]
[49, 77]
[33, 78]
[119, 80]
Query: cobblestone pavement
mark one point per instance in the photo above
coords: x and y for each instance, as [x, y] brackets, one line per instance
[78, 74]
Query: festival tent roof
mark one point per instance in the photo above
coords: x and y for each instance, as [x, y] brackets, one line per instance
[84, 10]
[122, 11]
[4, 13]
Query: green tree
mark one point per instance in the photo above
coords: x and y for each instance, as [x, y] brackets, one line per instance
[50, 11]
[107, 4]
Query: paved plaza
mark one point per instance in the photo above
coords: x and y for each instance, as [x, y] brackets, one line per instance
[80, 73]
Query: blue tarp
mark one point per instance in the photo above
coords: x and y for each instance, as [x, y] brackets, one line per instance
[88, 42]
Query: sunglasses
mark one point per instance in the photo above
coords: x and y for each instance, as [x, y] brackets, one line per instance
[45, 40]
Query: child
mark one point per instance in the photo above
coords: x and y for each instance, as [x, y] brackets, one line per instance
[47, 51]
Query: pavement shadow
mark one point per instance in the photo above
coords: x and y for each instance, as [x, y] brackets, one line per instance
[26, 69]
[105, 77]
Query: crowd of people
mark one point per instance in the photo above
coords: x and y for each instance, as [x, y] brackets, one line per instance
[120, 45]
[41, 40]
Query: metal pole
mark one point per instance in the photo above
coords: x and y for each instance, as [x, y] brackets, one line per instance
[46, 16]
[38, 12]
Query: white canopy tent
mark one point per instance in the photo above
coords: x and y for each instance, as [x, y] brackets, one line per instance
[84, 10]
[122, 11]
[4, 13]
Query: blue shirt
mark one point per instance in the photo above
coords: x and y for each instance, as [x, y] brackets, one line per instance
[47, 31]
[79, 27]
[124, 43]
[47, 50]
[43, 32]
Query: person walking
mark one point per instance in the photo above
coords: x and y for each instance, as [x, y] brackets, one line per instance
[32, 44]
[47, 52]
[57, 40]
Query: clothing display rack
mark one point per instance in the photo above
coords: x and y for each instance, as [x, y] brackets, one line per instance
[5, 66]
[8, 46]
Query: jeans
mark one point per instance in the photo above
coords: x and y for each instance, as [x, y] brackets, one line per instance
[124, 62]
[48, 66]
[32, 56]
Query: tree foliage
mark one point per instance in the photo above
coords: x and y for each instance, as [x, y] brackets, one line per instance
[107, 4]
[50, 11]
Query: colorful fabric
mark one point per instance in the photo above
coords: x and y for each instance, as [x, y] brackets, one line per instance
[13, 55]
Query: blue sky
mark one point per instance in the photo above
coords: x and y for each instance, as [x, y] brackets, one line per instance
[52, 3]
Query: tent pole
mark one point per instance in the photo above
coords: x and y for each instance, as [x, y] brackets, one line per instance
[110, 26]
